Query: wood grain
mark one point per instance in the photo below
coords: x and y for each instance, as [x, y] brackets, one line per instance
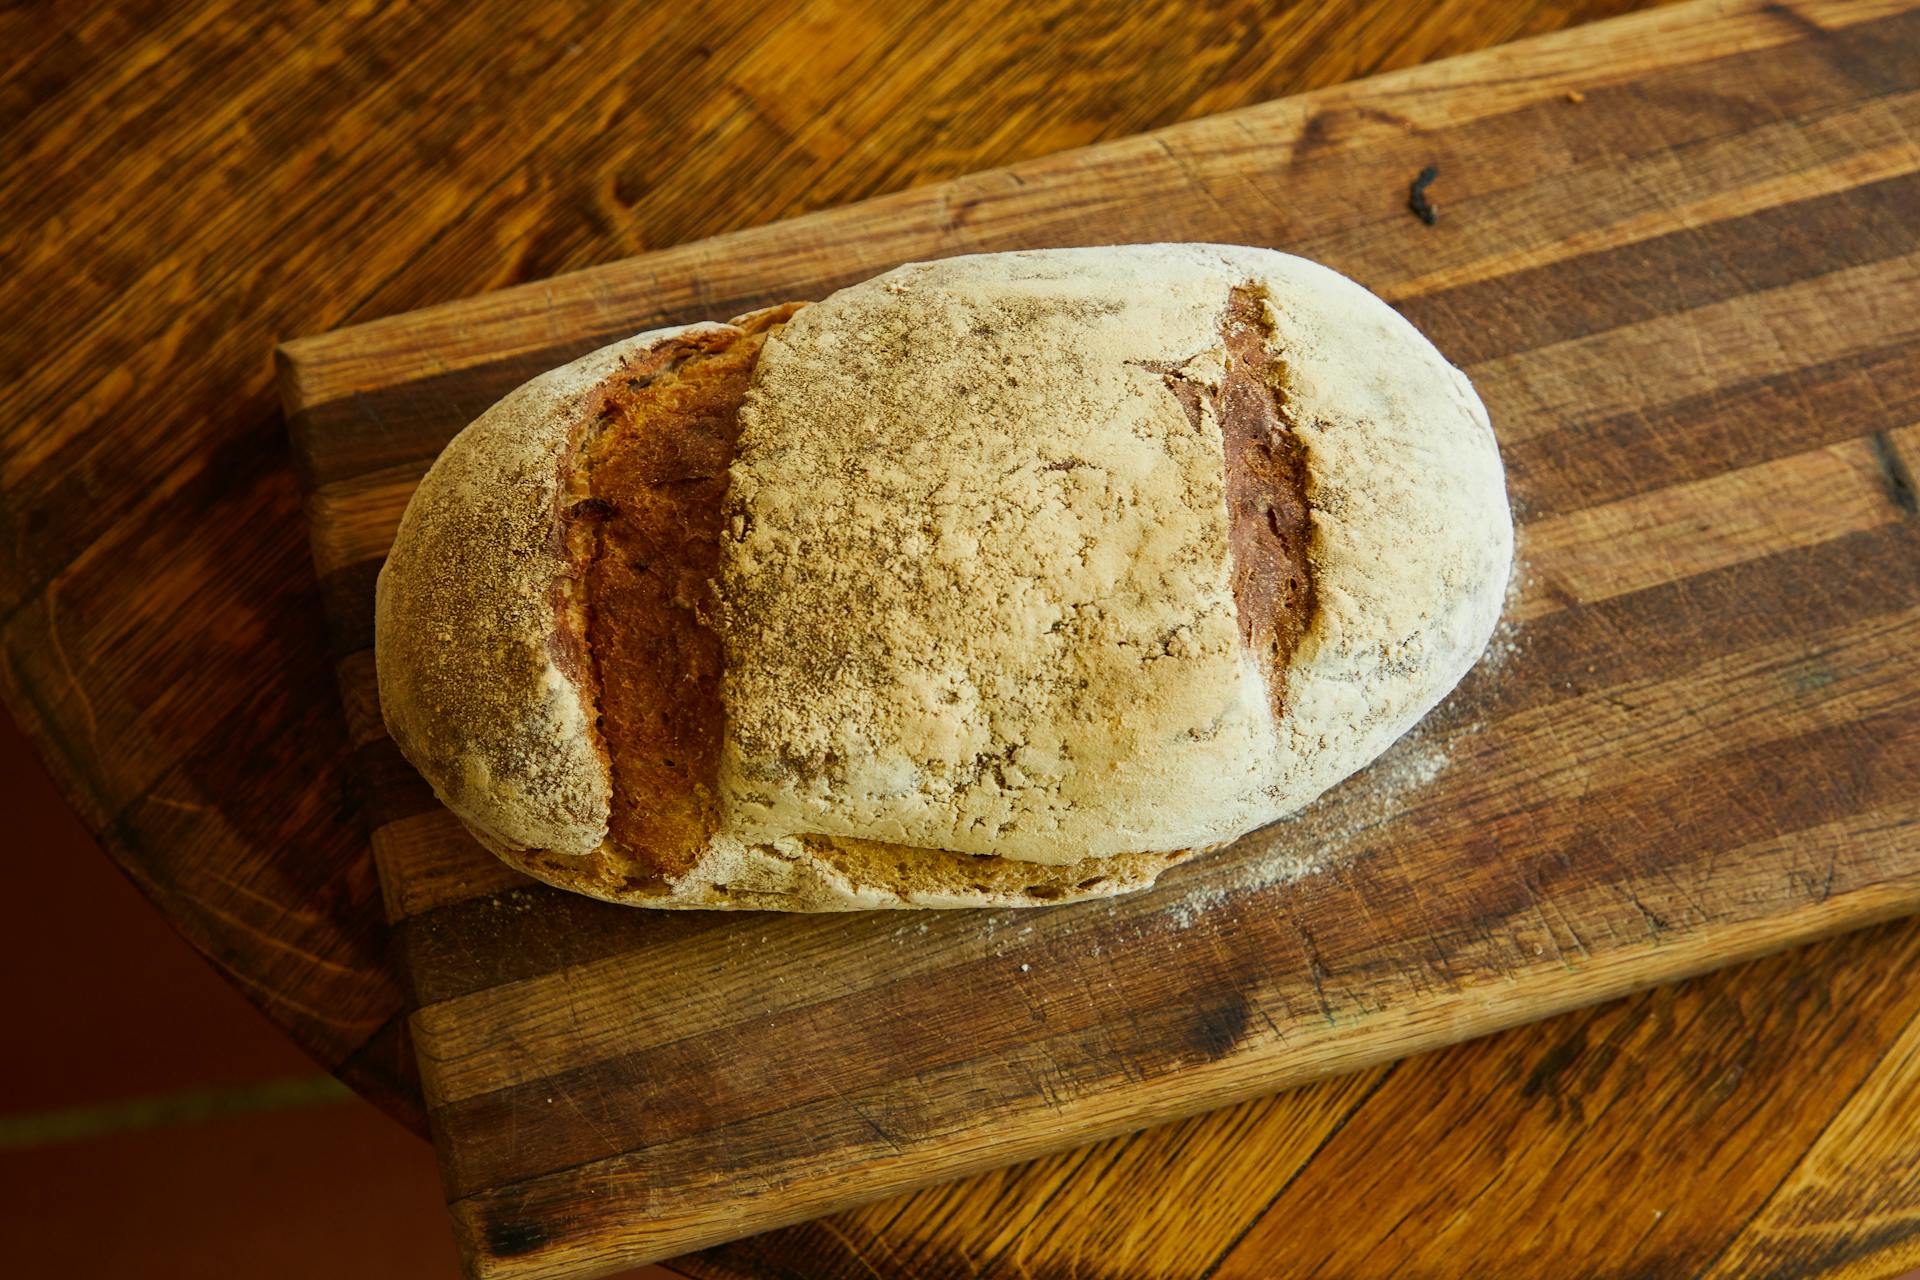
[1694, 742]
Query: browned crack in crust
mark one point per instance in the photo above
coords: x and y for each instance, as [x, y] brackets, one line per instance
[1269, 529]
[641, 525]
[573, 535]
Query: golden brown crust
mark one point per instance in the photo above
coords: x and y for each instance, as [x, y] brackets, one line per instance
[655, 469]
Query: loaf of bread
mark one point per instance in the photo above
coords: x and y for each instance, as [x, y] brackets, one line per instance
[999, 580]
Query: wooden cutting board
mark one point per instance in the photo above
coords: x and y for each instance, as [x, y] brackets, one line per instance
[1679, 254]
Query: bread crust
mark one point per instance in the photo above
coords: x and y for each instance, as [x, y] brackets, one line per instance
[474, 649]
[1411, 541]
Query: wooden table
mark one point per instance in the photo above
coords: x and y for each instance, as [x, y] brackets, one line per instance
[184, 184]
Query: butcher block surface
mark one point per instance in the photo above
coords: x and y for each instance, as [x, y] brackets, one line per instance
[1676, 253]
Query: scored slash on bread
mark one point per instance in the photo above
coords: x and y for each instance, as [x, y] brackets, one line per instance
[999, 580]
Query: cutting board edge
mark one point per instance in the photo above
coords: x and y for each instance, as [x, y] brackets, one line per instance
[1248, 1075]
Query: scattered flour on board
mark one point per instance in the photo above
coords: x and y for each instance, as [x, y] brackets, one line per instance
[1324, 838]
[1501, 648]
[1505, 642]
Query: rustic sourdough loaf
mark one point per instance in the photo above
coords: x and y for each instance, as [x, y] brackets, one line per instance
[1003, 579]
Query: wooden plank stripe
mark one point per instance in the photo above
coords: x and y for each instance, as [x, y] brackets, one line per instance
[1684, 187]
[387, 425]
[547, 1025]
[1681, 271]
[355, 522]
[394, 789]
[1660, 361]
[428, 858]
[1811, 684]
[1586, 465]
[533, 929]
[1634, 637]
[346, 596]
[1689, 529]
[1619, 201]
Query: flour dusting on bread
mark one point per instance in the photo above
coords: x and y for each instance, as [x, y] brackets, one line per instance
[988, 540]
